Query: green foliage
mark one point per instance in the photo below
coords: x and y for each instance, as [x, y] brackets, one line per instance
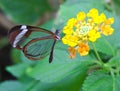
[65, 69]
[18, 70]
[78, 74]
[11, 86]
[24, 11]
[116, 4]
[100, 81]
[15, 55]
[3, 42]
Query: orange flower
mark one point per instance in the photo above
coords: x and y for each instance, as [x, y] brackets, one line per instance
[83, 49]
[72, 52]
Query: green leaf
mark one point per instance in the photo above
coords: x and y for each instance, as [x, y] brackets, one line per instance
[48, 25]
[63, 15]
[117, 84]
[15, 55]
[100, 81]
[116, 4]
[3, 42]
[114, 38]
[11, 86]
[71, 2]
[18, 70]
[61, 66]
[74, 6]
[109, 44]
[104, 46]
[71, 83]
[24, 11]
[114, 61]
[45, 72]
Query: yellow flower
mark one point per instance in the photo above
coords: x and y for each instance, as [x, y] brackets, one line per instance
[85, 28]
[93, 35]
[107, 30]
[70, 40]
[92, 13]
[103, 17]
[109, 21]
[68, 30]
[71, 22]
[81, 16]
[99, 18]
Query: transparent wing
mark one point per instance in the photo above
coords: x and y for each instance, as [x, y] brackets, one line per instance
[38, 49]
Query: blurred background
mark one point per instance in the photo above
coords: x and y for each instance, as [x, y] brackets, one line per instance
[30, 12]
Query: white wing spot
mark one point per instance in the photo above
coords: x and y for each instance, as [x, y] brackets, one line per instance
[23, 27]
[20, 35]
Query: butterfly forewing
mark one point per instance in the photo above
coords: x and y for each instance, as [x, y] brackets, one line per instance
[20, 35]
[33, 35]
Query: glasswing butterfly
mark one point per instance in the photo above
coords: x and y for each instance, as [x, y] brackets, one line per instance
[35, 42]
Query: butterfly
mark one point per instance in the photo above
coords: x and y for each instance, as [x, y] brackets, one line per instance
[35, 42]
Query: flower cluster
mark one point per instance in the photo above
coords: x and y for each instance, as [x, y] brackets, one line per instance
[85, 28]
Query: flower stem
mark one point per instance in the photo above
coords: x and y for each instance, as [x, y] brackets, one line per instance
[99, 59]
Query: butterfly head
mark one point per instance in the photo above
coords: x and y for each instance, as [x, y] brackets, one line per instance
[57, 37]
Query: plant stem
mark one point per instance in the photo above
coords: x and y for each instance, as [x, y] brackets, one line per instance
[99, 59]
[113, 78]
[118, 69]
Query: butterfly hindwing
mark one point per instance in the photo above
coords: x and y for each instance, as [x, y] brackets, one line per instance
[39, 49]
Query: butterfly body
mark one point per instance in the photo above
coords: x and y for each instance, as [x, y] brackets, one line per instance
[35, 42]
